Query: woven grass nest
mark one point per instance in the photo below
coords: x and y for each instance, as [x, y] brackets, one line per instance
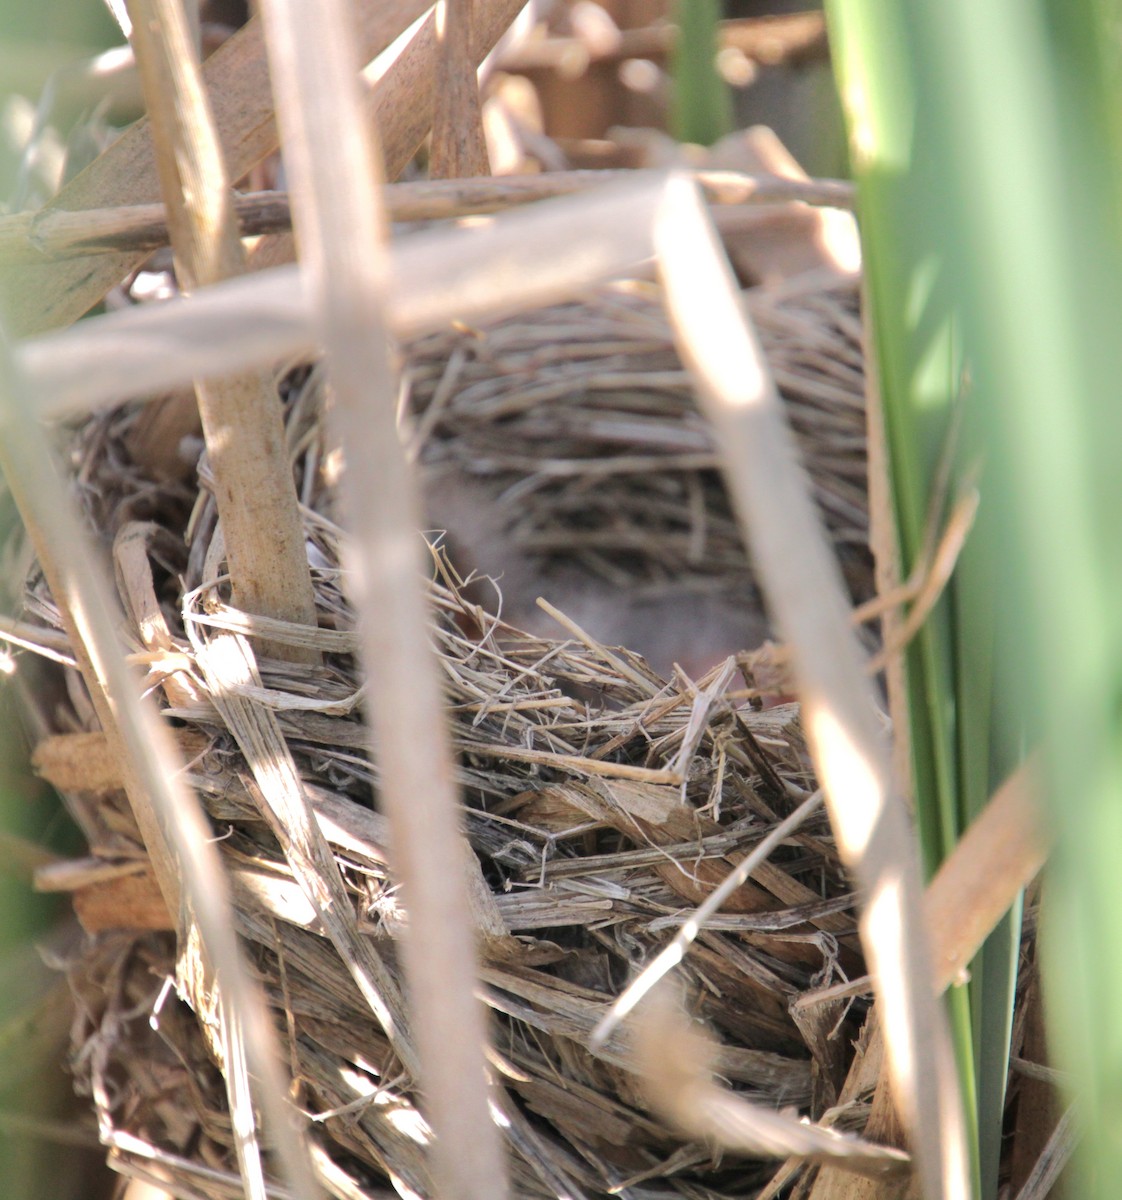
[603, 802]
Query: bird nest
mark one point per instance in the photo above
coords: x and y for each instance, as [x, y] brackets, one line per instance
[603, 802]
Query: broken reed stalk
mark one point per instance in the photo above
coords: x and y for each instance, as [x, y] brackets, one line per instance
[677, 1061]
[47, 235]
[241, 415]
[332, 159]
[459, 148]
[805, 594]
[175, 832]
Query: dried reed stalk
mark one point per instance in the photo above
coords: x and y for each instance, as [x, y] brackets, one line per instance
[49, 234]
[883, 1124]
[401, 99]
[333, 163]
[997, 857]
[435, 278]
[458, 148]
[175, 832]
[800, 579]
[404, 97]
[241, 414]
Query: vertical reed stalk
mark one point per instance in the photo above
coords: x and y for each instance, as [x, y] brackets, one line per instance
[241, 416]
[458, 145]
[801, 582]
[175, 831]
[334, 167]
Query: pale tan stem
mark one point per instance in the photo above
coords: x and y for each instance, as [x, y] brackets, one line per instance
[241, 416]
[804, 591]
[333, 164]
[169, 817]
[1000, 853]
[56, 234]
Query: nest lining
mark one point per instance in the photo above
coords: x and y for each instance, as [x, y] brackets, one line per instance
[575, 431]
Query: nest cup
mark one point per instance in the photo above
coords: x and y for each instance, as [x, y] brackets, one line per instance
[564, 456]
[603, 801]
